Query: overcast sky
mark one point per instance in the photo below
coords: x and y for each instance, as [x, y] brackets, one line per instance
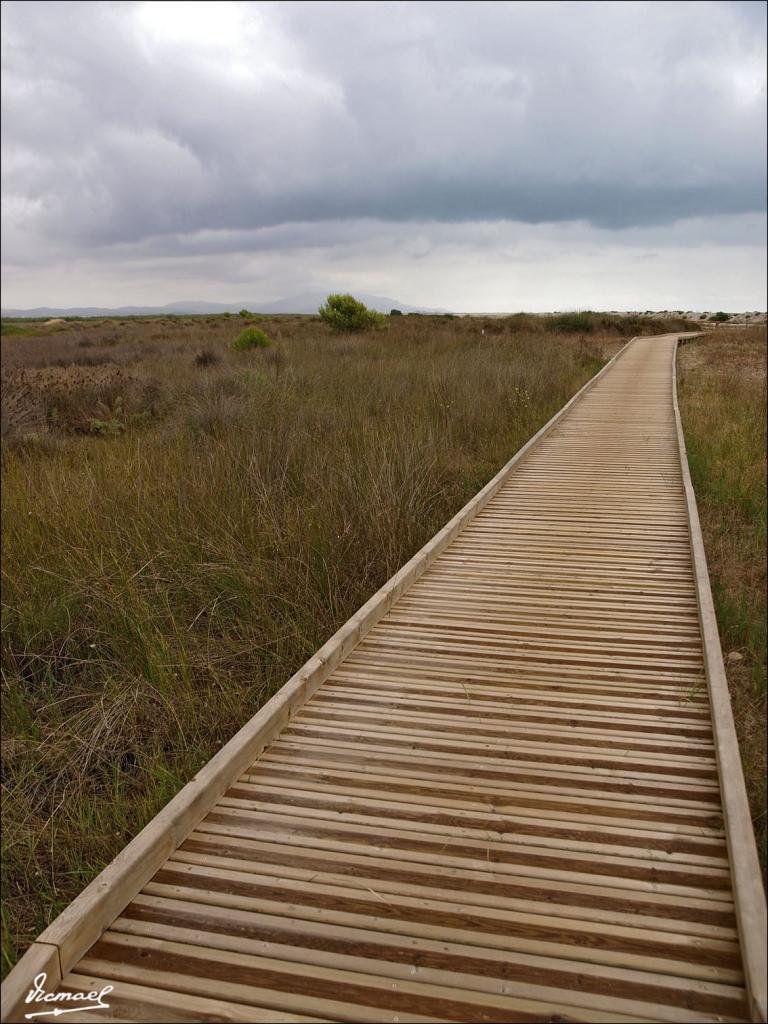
[474, 156]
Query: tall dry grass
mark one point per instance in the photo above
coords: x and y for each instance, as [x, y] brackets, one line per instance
[722, 390]
[163, 577]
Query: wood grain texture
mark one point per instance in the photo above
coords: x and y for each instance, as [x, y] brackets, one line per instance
[506, 790]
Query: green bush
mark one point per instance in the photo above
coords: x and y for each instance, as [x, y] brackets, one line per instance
[250, 338]
[6, 328]
[589, 322]
[395, 312]
[344, 313]
[525, 323]
[244, 313]
[720, 318]
[584, 322]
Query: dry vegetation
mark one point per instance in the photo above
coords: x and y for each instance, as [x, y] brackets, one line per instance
[722, 388]
[184, 525]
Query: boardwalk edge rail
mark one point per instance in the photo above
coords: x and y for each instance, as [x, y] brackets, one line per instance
[748, 893]
[61, 945]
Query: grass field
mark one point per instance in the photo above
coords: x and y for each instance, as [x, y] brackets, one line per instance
[722, 389]
[183, 526]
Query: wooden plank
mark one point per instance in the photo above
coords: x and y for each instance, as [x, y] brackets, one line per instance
[479, 883]
[303, 988]
[154, 1005]
[471, 702]
[563, 734]
[592, 784]
[714, 909]
[407, 788]
[534, 690]
[622, 865]
[697, 849]
[445, 965]
[219, 858]
[496, 788]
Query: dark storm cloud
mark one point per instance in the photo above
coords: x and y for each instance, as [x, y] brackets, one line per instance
[127, 121]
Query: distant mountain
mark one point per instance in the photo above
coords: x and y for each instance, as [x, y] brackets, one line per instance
[306, 302]
[309, 302]
[41, 311]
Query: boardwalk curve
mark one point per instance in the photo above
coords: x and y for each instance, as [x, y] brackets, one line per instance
[507, 790]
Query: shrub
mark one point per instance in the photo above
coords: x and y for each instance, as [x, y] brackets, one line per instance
[344, 313]
[493, 327]
[395, 312]
[525, 322]
[250, 338]
[206, 358]
[244, 313]
[113, 425]
[29, 327]
[583, 322]
[720, 317]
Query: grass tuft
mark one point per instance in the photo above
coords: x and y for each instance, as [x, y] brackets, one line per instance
[722, 390]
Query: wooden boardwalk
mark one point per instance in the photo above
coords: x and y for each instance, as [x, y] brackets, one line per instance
[507, 790]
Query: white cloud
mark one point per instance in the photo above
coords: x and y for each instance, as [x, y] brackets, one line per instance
[484, 267]
[379, 136]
